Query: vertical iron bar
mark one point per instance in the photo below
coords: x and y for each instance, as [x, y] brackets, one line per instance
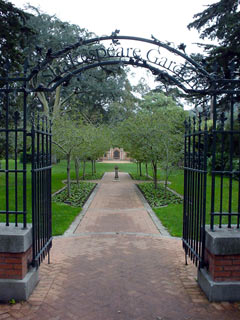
[50, 186]
[34, 247]
[213, 151]
[6, 153]
[38, 189]
[198, 185]
[185, 221]
[195, 174]
[43, 212]
[193, 188]
[189, 185]
[200, 191]
[230, 163]
[203, 231]
[24, 153]
[238, 217]
[16, 168]
[222, 167]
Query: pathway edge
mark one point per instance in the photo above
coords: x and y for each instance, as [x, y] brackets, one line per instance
[70, 231]
[162, 230]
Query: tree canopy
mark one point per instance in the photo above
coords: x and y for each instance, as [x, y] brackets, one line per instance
[91, 92]
[220, 22]
[14, 33]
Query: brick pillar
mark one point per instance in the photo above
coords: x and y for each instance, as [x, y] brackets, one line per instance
[223, 268]
[220, 279]
[15, 265]
[17, 277]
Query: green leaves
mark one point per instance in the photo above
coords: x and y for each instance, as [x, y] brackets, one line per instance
[158, 197]
[78, 196]
[220, 21]
[14, 34]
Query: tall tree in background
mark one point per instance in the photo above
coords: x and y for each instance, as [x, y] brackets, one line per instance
[220, 22]
[14, 33]
[91, 92]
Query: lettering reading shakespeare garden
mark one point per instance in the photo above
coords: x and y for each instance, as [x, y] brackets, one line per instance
[153, 56]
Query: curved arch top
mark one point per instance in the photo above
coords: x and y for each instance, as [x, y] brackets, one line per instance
[183, 71]
[169, 64]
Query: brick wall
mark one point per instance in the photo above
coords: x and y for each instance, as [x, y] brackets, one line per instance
[14, 265]
[223, 268]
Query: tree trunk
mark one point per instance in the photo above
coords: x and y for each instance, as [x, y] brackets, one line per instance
[95, 170]
[68, 175]
[146, 167]
[155, 174]
[84, 167]
[137, 167]
[77, 165]
[166, 182]
[166, 175]
[140, 168]
[92, 167]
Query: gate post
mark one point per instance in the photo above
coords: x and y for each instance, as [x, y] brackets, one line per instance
[17, 278]
[220, 279]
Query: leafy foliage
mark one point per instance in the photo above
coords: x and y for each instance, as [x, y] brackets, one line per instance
[158, 197]
[90, 93]
[95, 176]
[136, 176]
[155, 133]
[14, 33]
[79, 193]
[220, 21]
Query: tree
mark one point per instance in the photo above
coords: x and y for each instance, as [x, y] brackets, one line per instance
[14, 33]
[221, 22]
[92, 91]
[67, 137]
[155, 133]
[96, 140]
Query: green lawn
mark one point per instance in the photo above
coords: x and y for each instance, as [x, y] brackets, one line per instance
[171, 216]
[63, 214]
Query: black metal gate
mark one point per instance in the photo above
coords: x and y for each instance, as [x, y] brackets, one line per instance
[212, 152]
[195, 180]
[25, 166]
[202, 144]
[41, 188]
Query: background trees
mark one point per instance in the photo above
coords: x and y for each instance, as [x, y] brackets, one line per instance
[14, 33]
[220, 22]
[155, 134]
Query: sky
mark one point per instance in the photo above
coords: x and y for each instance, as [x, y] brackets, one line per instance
[167, 20]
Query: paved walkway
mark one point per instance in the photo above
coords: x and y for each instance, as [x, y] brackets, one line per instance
[118, 266]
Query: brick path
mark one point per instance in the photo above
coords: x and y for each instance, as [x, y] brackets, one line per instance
[109, 269]
[117, 208]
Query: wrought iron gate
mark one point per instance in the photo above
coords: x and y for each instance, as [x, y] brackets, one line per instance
[195, 180]
[214, 150]
[201, 144]
[23, 142]
[41, 188]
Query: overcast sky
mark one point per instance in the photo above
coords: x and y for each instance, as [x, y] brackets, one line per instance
[167, 20]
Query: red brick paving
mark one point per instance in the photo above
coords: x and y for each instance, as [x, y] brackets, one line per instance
[118, 276]
[117, 208]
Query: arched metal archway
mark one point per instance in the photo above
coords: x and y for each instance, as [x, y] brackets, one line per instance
[201, 144]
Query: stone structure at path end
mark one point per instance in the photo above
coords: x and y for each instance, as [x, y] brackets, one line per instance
[116, 154]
